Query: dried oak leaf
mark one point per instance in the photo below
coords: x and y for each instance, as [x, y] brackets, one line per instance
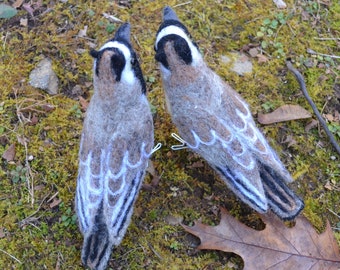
[284, 113]
[9, 154]
[276, 247]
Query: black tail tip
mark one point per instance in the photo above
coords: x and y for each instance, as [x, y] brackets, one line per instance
[291, 214]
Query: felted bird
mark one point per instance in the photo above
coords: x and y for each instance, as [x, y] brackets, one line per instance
[116, 142]
[214, 121]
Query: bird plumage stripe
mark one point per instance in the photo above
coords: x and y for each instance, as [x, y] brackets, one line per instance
[244, 186]
[129, 201]
[281, 199]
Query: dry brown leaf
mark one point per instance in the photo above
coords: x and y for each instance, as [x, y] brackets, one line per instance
[284, 113]
[262, 58]
[83, 103]
[253, 52]
[9, 154]
[17, 3]
[276, 247]
[314, 123]
[55, 202]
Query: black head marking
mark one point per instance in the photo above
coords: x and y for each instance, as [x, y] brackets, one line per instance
[118, 61]
[180, 44]
[138, 71]
[181, 48]
[94, 53]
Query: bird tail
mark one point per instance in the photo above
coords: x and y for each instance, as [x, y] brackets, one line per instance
[281, 199]
[97, 247]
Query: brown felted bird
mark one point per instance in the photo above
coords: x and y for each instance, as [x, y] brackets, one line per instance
[116, 143]
[215, 122]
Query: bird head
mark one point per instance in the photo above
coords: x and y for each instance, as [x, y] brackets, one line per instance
[174, 45]
[116, 62]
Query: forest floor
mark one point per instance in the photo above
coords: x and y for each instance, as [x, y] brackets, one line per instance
[39, 133]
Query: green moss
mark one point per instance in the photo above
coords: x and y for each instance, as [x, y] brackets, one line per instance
[43, 237]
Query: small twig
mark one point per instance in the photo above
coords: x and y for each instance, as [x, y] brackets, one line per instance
[155, 252]
[24, 221]
[330, 210]
[53, 196]
[291, 29]
[29, 175]
[302, 84]
[112, 18]
[4, 44]
[182, 4]
[326, 38]
[11, 256]
[310, 51]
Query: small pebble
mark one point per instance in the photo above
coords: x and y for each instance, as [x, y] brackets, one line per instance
[44, 77]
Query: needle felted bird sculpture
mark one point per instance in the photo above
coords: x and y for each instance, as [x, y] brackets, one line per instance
[116, 142]
[214, 121]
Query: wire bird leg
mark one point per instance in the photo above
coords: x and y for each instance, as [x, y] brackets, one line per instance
[178, 146]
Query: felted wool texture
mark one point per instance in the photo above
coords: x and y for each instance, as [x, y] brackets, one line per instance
[116, 143]
[217, 124]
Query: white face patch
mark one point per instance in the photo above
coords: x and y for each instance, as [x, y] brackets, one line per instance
[175, 30]
[127, 74]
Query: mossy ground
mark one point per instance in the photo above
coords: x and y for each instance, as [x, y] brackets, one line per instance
[37, 222]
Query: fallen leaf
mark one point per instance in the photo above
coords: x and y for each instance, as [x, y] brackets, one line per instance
[83, 32]
[253, 52]
[17, 3]
[28, 7]
[276, 247]
[284, 113]
[328, 186]
[329, 117]
[311, 124]
[47, 107]
[290, 141]
[9, 154]
[83, 103]
[262, 58]
[34, 120]
[173, 220]
[55, 202]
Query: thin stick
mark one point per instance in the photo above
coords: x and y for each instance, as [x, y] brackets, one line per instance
[326, 38]
[322, 54]
[323, 123]
[182, 4]
[11, 256]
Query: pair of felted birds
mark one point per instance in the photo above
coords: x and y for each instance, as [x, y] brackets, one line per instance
[117, 138]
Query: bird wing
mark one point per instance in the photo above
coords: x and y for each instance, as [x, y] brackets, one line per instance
[211, 137]
[272, 172]
[236, 114]
[110, 174]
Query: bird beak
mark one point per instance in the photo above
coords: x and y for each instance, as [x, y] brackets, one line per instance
[123, 32]
[169, 14]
